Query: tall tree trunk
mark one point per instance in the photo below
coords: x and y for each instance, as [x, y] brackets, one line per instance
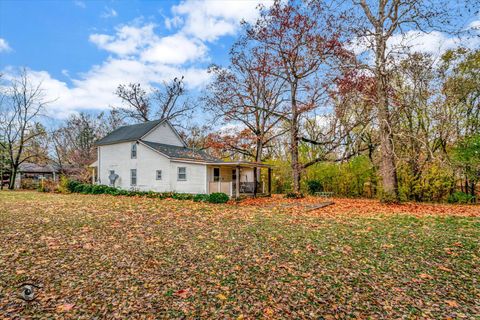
[387, 166]
[13, 176]
[294, 140]
[258, 158]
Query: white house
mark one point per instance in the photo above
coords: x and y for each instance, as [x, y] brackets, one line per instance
[151, 156]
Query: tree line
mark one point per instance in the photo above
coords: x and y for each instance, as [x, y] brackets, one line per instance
[325, 91]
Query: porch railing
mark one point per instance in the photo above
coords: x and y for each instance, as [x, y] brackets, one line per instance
[230, 187]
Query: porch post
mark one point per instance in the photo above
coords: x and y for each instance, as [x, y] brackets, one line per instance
[93, 175]
[255, 178]
[237, 182]
[269, 181]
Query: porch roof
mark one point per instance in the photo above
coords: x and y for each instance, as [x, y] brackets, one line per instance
[240, 164]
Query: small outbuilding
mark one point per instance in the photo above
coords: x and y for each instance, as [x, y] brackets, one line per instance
[32, 174]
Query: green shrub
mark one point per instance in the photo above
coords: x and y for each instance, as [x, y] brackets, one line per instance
[182, 196]
[201, 198]
[78, 187]
[165, 195]
[461, 197]
[41, 188]
[218, 197]
[294, 195]
[87, 189]
[151, 194]
[99, 189]
[63, 184]
[314, 186]
[72, 185]
[388, 197]
[119, 192]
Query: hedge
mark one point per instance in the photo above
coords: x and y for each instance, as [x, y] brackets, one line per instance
[78, 187]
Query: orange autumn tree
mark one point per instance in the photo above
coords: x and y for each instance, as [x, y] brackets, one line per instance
[304, 42]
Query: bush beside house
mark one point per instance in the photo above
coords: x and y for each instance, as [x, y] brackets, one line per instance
[78, 187]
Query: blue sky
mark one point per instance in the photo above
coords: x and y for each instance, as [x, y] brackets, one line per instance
[82, 50]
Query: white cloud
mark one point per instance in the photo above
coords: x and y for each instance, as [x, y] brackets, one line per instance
[175, 49]
[209, 20]
[173, 22]
[4, 47]
[127, 40]
[434, 42]
[139, 54]
[109, 13]
[95, 89]
[80, 4]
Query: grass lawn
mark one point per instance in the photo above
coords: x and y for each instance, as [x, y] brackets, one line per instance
[98, 256]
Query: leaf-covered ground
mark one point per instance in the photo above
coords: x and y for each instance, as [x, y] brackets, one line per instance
[104, 257]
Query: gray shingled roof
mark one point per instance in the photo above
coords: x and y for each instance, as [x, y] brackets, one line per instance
[181, 152]
[38, 168]
[128, 133]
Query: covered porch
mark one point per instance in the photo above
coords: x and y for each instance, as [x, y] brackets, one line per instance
[238, 179]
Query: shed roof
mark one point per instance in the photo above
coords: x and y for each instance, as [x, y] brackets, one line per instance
[38, 168]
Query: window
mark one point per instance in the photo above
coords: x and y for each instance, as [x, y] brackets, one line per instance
[133, 151]
[182, 173]
[216, 174]
[133, 177]
[159, 175]
[234, 174]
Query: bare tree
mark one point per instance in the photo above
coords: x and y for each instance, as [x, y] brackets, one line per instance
[138, 106]
[25, 102]
[303, 39]
[248, 97]
[378, 22]
[169, 102]
[73, 143]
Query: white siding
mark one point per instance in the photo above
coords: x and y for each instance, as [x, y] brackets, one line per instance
[163, 133]
[117, 157]
[196, 178]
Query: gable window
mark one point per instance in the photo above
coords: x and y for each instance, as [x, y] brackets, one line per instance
[182, 173]
[133, 177]
[133, 151]
[159, 175]
[216, 174]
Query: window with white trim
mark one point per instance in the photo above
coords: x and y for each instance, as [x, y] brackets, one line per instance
[159, 175]
[133, 177]
[182, 174]
[133, 151]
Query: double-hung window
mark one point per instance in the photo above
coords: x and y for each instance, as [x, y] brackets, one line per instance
[133, 151]
[133, 177]
[159, 175]
[182, 174]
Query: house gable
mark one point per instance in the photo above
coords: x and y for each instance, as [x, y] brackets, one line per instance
[164, 133]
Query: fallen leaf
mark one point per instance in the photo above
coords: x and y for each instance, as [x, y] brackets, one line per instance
[443, 268]
[221, 296]
[65, 307]
[452, 303]
[184, 293]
